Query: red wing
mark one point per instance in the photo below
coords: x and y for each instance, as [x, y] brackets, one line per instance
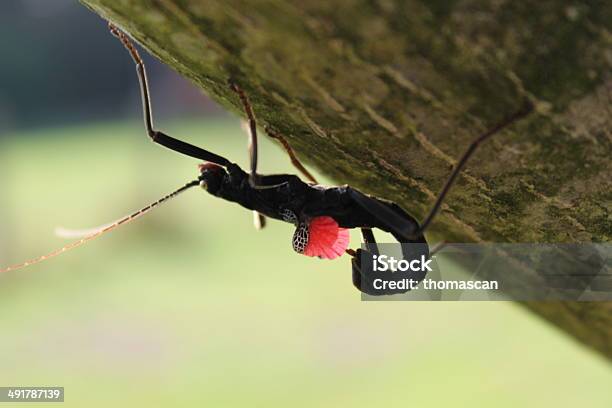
[326, 239]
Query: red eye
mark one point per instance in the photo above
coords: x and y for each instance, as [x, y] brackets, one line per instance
[208, 166]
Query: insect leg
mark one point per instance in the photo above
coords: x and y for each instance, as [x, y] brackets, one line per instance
[259, 220]
[294, 160]
[399, 223]
[521, 113]
[369, 240]
[387, 216]
[438, 247]
[159, 137]
[360, 276]
[255, 180]
[253, 177]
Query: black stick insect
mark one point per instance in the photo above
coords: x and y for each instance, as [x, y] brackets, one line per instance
[322, 215]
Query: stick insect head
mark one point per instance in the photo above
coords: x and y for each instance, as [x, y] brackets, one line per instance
[211, 176]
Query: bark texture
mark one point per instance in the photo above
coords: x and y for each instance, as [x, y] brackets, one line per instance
[386, 94]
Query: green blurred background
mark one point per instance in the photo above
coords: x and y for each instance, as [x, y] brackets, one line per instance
[190, 306]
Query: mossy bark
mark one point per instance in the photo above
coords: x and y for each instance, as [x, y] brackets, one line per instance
[386, 94]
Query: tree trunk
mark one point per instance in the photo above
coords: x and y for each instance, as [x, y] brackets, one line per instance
[386, 94]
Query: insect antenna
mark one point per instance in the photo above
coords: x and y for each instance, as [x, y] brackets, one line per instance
[102, 230]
